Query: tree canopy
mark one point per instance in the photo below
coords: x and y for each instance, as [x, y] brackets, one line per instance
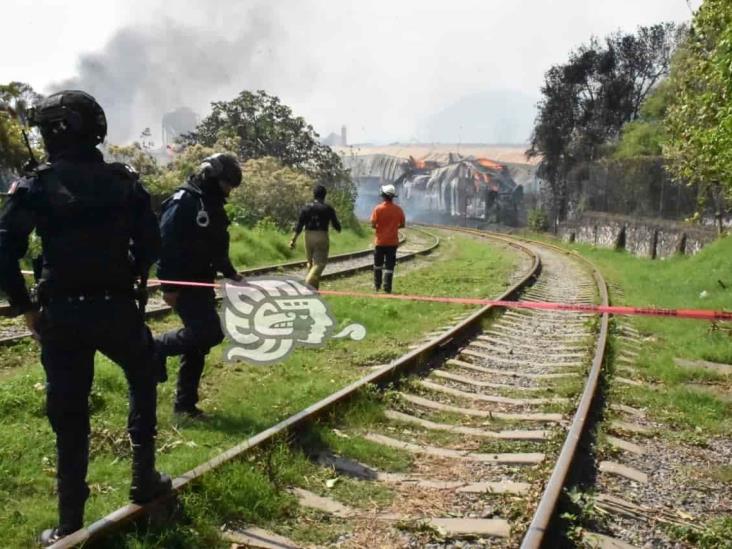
[645, 136]
[15, 97]
[265, 127]
[699, 119]
[587, 100]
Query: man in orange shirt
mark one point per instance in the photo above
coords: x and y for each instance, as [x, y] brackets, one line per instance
[387, 218]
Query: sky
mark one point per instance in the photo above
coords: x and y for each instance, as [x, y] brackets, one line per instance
[390, 70]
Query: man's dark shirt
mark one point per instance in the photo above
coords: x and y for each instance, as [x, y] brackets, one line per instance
[97, 229]
[192, 252]
[316, 216]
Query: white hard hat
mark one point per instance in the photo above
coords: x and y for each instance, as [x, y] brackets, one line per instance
[388, 190]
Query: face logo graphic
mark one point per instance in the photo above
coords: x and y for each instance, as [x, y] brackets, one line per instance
[266, 318]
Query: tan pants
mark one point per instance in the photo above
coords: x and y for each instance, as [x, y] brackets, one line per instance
[316, 248]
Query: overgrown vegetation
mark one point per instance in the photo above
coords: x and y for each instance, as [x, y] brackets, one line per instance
[699, 119]
[538, 220]
[15, 97]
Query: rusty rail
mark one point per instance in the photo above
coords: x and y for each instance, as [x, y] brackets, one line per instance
[545, 511]
[256, 271]
[414, 359]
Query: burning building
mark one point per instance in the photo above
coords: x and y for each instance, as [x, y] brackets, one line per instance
[437, 188]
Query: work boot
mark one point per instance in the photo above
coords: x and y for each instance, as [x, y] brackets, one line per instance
[388, 278]
[147, 483]
[71, 519]
[193, 412]
[377, 279]
[52, 535]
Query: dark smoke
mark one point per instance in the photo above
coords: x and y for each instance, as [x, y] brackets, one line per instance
[144, 72]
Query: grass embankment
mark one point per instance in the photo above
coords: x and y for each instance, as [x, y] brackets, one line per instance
[242, 400]
[688, 399]
[692, 403]
[264, 245]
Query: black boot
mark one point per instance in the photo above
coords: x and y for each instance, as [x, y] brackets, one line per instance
[147, 483]
[52, 535]
[71, 519]
[377, 279]
[388, 278]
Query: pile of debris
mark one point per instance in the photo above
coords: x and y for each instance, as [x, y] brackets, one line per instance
[458, 186]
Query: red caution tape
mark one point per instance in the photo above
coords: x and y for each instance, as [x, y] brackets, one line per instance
[698, 314]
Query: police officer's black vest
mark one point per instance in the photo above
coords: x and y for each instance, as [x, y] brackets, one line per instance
[86, 220]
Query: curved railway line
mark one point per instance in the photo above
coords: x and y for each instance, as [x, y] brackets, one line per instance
[419, 243]
[493, 414]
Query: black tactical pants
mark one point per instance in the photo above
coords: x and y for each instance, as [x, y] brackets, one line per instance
[72, 330]
[201, 331]
[384, 262]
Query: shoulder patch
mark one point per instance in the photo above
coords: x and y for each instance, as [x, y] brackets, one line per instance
[20, 185]
[179, 194]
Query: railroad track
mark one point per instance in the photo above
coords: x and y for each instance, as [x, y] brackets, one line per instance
[493, 417]
[419, 242]
[297, 266]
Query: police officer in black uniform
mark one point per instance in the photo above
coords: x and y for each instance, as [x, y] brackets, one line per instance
[98, 235]
[194, 228]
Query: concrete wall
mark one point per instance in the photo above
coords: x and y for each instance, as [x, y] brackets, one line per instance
[653, 238]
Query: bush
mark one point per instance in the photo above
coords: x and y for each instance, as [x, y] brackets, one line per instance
[271, 191]
[538, 220]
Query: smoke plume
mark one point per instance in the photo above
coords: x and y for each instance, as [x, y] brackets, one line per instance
[145, 71]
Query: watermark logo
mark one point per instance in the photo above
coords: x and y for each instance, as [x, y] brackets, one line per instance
[266, 318]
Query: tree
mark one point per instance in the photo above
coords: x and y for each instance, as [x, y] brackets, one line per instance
[587, 100]
[161, 181]
[261, 126]
[699, 120]
[15, 98]
[266, 127]
[552, 136]
[271, 191]
[644, 137]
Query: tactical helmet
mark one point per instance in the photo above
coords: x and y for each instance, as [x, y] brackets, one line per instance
[69, 116]
[221, 166]
[388, 190]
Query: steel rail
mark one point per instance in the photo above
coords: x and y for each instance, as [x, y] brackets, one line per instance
[535, 536]
[545, 511]
[5, 308]
[411, 360]
[270, 269]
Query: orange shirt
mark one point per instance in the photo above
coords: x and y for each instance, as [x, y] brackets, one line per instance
[387, 217]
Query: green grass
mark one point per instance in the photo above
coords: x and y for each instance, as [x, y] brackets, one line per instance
[676, 282]
[242, 400]
[715, 534]
[264, 245]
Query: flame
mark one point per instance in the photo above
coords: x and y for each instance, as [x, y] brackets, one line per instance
[484, 162]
